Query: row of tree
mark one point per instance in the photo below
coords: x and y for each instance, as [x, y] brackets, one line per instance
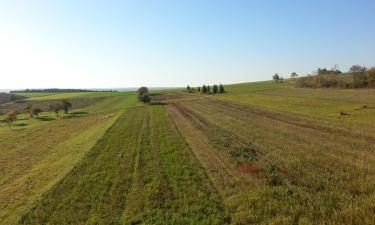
[11, 116]
[207, 89]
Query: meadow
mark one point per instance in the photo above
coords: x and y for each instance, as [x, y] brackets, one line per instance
[261, 153]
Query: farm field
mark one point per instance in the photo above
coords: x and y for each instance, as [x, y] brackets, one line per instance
[262, 153]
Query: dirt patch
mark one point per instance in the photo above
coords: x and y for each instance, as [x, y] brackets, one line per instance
[249, 168]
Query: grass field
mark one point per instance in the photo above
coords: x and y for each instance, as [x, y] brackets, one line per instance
[262, 153]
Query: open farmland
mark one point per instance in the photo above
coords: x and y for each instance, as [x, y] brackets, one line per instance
[262, 153]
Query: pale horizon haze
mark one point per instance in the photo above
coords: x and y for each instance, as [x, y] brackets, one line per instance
[113, 44]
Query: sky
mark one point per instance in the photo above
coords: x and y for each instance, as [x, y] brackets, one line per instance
[170, 43]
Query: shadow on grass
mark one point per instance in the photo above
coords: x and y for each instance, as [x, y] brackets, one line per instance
[75, 115]
[78, 113]
[45, 118]
[26, 118]
[158, 103]
[20, 124]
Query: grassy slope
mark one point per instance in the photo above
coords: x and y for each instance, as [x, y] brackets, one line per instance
[28, 150]
[324, 166]
[141, 171]
[314, 103]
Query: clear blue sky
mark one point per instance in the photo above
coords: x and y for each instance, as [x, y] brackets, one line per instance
[86, 44]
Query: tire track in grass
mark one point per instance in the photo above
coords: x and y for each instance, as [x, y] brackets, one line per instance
[133, 212]
[189, 197]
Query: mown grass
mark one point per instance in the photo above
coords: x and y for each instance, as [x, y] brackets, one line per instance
[36, 153]
[262, 153]
[288, 153]
[141, 171]
[323, 104]
[303, 171]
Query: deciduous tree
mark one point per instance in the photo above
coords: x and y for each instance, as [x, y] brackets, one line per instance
[66, 105]
[56, 109]
[276, 77]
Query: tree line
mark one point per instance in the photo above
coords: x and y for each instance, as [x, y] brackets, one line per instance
[51, 90]
[215, 89]
[361, 77]
[11, 116]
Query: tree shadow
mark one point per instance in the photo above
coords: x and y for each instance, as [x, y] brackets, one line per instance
[75, 115]
[78, 113]
[20, 124]
[158, 103]
[154, 94]
[45, 118]
[23, 118]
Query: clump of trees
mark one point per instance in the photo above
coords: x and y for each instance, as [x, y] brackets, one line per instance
[11, 116]
[143, 95]
[361, 78]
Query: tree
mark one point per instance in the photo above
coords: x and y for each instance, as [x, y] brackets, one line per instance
[294, 75]
[145, 98]
[56, 109]
[29, 110]
[143, 95]
[276, 77]
[66, 105]
[36, 111]
[10, 117]
[142, 91]
[199, 89]
[208, 89]
[215, 89]
[221, 89]
[204, 89]
[188, 88]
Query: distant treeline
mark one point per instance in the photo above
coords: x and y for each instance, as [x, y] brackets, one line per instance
[52, 90]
